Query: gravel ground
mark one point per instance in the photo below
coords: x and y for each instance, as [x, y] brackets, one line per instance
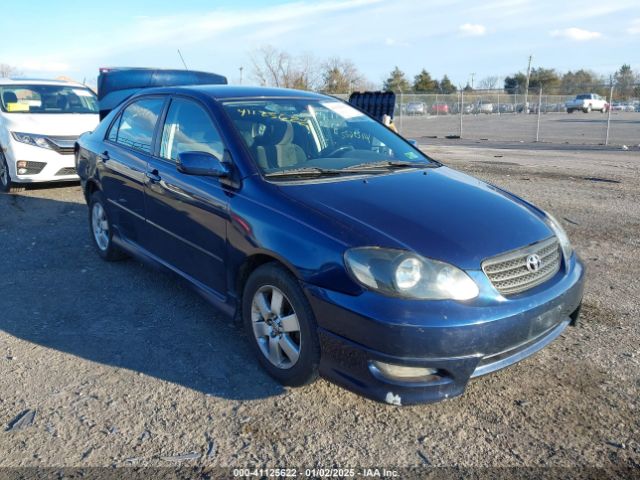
[125, 365]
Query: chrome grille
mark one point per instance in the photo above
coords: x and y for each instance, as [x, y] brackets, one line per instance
[62, 144]
[509, 273]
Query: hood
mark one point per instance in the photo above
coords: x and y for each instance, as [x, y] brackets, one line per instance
[438, 213]
[56, 124]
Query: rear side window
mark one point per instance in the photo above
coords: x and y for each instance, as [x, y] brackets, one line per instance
[137, 123]
[188, 128]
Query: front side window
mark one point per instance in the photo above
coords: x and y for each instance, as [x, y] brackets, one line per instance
[47, 99]
[188, 128]
[294, 133]
[137, 124]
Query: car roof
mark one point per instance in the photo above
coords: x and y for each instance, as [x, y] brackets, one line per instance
[228, 92]
[38, 81]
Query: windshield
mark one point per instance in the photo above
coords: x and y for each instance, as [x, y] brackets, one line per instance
[47, 99]
[293, 134]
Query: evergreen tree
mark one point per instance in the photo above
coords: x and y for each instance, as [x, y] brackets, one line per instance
[624, 80]
[547, 78]
[423, 83]
[397, 82]
[515, 83]
[446, 86]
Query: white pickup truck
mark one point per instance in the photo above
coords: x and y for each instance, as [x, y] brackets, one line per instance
[587, 102]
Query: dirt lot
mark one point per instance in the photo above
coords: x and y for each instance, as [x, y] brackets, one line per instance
[124, 365]
[556, 128]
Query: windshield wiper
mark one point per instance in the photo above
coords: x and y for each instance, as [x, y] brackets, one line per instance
[391, 164]
[305, 171]
[362, 168]
[319, 171]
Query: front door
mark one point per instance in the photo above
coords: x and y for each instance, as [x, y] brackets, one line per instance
[187, 214]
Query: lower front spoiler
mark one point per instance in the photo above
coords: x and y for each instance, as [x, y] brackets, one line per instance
[349, 365]
[36, 179]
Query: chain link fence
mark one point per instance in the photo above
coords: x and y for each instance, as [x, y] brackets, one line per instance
[494, 115]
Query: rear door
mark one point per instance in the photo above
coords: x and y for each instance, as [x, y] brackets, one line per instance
[187, 214]
[123, 164]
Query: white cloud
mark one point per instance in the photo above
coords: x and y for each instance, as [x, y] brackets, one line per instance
[394, 42]
[197, 27]
[501, 7]
[577, 34]
[634, 29]
[43, 66]
[472, 29]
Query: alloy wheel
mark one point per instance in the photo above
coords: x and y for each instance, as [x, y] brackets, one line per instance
[4, 172]
[276, 327]
[100, 226]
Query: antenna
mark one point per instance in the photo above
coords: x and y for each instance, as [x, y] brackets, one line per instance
[183, 62]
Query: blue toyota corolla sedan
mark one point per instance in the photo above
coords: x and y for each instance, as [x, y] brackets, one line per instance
[345, 251]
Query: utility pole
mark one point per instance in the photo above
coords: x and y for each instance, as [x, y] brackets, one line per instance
[241, 68]
[472, 75]
[526, 87]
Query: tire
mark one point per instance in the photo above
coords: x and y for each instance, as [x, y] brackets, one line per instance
[569, 110]
[6, 185]
[284, 338]
[101, 231]
[588, 109]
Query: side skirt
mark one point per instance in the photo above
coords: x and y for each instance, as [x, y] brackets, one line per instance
[226, 305]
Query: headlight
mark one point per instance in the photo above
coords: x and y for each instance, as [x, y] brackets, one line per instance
[404, 274]
[561, 235]
[32, 139]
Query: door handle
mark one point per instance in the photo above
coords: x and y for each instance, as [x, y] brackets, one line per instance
[153, 176]
[104, 156]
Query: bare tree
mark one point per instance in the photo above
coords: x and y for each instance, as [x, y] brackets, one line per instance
[306, 73]
[277, 68]
[7, 70]
[342, 76]
[489, 83]
[270, 66]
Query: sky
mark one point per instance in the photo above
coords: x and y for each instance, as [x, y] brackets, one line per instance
[46, 38]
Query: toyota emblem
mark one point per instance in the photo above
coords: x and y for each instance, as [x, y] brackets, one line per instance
[533, 262]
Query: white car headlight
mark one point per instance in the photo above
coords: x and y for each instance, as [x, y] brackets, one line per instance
[561, 235]
[32, 139]
[405, 274]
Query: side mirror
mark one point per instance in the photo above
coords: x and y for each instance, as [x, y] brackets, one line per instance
[201, 163]
[413, 142]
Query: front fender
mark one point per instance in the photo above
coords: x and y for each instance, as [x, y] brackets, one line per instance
[271, 225]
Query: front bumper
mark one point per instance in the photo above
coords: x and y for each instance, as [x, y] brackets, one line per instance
[460, 340]
[57, 167]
